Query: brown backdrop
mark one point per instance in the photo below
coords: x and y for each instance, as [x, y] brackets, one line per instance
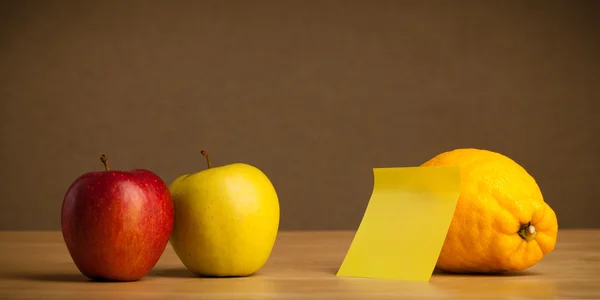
[313, 93]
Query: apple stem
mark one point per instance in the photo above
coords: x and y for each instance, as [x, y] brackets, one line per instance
[104, 160]
[205, 154]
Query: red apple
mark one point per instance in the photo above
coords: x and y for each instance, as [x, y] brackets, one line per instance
[116, 224]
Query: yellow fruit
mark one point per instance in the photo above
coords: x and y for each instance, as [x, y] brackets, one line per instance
[226, 220]
[501, 222]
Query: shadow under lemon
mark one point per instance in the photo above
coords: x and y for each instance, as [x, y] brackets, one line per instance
[498, 287]
[442, 273]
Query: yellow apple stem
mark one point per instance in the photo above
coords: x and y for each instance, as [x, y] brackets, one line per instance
[205, 154]
[527, 232]
[104, 160]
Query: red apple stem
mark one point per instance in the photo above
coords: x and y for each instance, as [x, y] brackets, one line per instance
[205, 154]
[104, 160]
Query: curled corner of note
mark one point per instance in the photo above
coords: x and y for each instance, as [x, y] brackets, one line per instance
[405, 223]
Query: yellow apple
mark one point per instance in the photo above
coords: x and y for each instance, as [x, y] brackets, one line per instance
[226, 219]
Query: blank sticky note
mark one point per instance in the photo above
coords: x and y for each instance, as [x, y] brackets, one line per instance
[404, 226]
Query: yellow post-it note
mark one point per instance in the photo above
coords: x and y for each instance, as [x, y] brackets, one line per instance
[406, 221]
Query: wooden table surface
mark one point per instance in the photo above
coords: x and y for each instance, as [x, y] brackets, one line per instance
[36, 265]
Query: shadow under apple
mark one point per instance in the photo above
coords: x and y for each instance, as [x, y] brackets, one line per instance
[61, 277]
[185, 273]
[173, 273]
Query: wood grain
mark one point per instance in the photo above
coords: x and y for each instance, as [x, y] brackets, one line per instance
[36, 265]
